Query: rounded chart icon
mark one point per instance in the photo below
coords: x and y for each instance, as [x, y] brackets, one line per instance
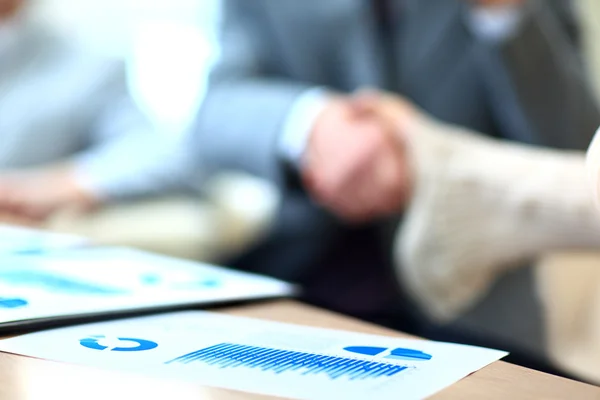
[128, 344]
[394, 354]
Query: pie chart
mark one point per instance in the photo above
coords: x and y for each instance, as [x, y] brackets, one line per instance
[394, 354]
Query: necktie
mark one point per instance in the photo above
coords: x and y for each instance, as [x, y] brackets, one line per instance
[383, 11]
[385, 14]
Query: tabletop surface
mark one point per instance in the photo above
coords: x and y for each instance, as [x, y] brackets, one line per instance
[32, 379]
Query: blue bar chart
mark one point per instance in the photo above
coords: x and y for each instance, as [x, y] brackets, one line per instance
[228, 355]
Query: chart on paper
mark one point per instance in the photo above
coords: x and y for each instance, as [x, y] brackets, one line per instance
[227, 355]
[84, 282]
[261, 357]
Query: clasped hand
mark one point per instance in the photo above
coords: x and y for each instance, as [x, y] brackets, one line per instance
[356, 160]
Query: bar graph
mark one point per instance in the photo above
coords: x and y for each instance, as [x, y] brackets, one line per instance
[228, 355]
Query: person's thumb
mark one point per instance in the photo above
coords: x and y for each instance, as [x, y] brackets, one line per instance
[366, 101]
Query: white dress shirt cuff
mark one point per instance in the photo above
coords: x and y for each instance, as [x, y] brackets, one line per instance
[298, 124]
[495, 23]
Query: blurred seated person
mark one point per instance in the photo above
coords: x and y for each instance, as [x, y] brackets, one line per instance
[77, 155]
[278, 107]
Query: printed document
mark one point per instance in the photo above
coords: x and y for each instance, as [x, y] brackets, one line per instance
[63, 285]
[261, 357]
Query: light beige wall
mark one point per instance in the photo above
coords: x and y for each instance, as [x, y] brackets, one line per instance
[590, 18]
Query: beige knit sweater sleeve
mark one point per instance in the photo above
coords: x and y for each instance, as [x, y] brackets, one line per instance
[481, 206]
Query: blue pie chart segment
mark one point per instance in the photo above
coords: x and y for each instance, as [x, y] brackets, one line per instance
[409, 355]
[92, 343]
[366, 350]
[132, 344]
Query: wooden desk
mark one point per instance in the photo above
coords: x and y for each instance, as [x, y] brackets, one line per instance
[30, 379]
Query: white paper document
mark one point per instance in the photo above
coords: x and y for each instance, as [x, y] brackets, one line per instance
[18, 240]
[261, 357]
[85, 282]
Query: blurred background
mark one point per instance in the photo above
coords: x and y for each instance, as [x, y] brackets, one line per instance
[144, 34]
[168, 45]
[167, 48]
[221, 203]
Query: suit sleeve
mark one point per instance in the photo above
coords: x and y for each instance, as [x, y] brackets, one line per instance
[244, 112]
[537, 82]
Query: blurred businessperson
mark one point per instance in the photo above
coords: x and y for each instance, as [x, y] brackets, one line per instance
[71, 134]
[76, 153]
[279, 105]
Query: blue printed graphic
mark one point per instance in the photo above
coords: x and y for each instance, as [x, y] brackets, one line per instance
[12, 302]
[395, 354]
[155, 280]
[368, 351]
[150, 279]
[409, 355]
[54, 283]
[227, 355]
[93, 342]
[209, 283]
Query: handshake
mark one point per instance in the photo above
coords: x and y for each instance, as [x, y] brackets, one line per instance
[356, 160]
[355, 164]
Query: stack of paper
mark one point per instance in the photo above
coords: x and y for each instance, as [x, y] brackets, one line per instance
[53, 286]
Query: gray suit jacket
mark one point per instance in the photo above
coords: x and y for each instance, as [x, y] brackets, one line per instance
[531, 89]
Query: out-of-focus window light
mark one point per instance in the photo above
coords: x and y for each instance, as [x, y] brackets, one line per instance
[168, 45]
